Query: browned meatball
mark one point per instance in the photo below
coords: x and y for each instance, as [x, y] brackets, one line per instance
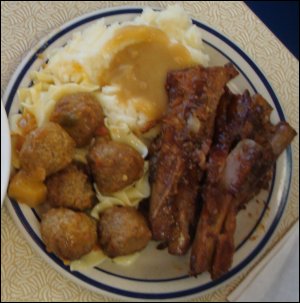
[71, 188]
[48, 147]
[122, 231]
[67, 233]
[114, 165]
[80, 115]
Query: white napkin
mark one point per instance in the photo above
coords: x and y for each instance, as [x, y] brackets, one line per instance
[260, 279]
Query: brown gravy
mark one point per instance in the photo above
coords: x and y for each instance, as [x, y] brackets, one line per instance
[140, 68]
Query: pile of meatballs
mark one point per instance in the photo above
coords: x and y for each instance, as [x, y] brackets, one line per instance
[66, 228]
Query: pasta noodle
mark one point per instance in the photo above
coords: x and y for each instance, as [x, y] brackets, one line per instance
[121, 133]
[96, 257]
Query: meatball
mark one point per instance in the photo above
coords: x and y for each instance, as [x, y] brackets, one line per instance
[122, 231]
[48, 148]
[114, 165]
[80, 115]
[68, 234]
[71, 188]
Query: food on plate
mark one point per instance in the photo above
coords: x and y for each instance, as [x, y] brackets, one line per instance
[27, 189]
[134, 100]
[114, 165]
[122, 231]
[67, 233]
[227, 139]
[180, 151]
[70, 188]
[245, 147]
[48, 148]
[80, 115]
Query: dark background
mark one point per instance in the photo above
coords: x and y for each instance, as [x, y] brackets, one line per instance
[282, 18]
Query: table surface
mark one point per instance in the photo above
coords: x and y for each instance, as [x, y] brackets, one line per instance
[24, 275]
[282, 18]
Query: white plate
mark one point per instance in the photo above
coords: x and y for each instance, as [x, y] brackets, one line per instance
[5, 153]
[156, 275]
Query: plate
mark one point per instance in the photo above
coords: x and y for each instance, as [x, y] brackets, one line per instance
[156, 275]
[5, 153]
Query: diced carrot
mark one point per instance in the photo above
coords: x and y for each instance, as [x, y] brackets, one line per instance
[16, 145]
[27, 123]
[27, 189]
[101, 131]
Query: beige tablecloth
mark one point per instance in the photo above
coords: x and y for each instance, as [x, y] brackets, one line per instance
[24, 275]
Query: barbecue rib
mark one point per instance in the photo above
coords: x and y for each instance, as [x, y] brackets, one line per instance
[180, 152]
[245, 148]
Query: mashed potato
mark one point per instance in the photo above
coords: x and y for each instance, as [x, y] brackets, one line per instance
[125, 64]
[89, 52]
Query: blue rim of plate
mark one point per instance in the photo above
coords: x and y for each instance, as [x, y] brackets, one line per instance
[194, 290]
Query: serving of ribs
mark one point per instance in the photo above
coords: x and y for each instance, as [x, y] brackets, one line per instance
[215, 147]
[179, 154]
[245, 147]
